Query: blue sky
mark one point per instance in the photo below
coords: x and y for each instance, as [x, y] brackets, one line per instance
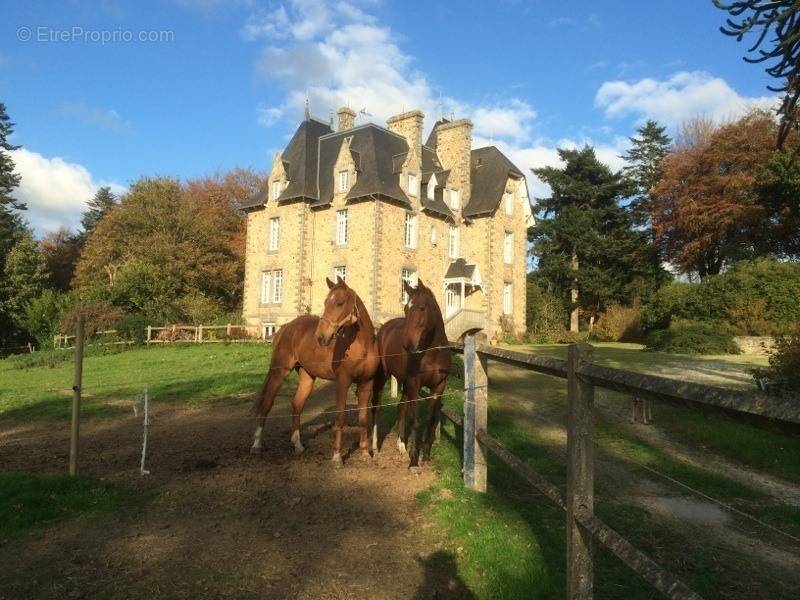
[214, 84]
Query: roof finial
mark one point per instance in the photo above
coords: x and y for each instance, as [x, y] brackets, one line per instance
[307, 113]
[439, 108]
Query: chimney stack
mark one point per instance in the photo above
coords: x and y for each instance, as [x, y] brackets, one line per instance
[347, 118]
[454, 149]
[409, 125]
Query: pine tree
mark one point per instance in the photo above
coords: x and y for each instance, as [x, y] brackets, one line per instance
[10, 222]
[587, 248]
[97, 207]
[643, 171]
[24, 278]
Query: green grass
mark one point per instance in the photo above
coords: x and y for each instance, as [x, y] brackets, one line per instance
[31, 502]
[189, 374]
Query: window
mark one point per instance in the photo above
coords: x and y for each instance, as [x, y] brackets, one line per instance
[411, 230]
[277, 286]
[434, 235]
[339, 272]
[454, 199]
[342, 181]
[265, 281]
[508, 247]
[509, 202]
[408, 276]
[507, 296]
[276, 189]
[268, 330]
[341, 227]
[412, 184]
[274, 232]
[452, 246]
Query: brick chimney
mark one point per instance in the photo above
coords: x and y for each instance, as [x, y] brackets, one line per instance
[347, 118]
[453, 147]
[409, 125]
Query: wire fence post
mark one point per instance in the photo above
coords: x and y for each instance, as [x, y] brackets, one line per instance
[580, 474]
[475, 384]
[76, 398]
[146, 426]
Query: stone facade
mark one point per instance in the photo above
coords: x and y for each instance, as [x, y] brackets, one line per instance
[311, 245]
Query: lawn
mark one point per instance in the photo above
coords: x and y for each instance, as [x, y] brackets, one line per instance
[114, 380]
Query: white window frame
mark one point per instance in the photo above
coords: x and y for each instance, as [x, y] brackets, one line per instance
[410, 231]
[453, 241]
[266, 286]
[340, 271]
[412, 184]
[508, 200]
[277, 286]
[344, 177]
[341, 227]
[408, 276]
[434, 235]
[276, 189]
[455, 200]
[508, 298]
[268, 330]
[508, 247]
[274, 233]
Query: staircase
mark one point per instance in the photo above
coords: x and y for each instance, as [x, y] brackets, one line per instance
[462, 321]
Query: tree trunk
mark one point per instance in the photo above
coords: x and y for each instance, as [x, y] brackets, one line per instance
[574, 314]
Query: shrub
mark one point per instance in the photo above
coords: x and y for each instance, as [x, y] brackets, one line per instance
[199, 309]
[618, 324]
[132, 328]
[42, 316]
[692, 338]
[784, 362]
[99, 315]
[545, 315]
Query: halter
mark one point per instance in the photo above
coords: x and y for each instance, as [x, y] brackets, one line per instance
[350, 319]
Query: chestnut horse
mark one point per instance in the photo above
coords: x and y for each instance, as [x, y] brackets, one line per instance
[338, 346]
[415, 350]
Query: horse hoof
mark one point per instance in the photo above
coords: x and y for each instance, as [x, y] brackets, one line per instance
[299, 449]
[415, 469]
[337, 461]
[255, 450]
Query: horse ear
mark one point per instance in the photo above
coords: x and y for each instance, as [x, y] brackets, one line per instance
[331, 285]
[408, 289]
[339, 280]
[420, 284]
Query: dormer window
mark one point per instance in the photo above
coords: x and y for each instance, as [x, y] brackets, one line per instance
[431, 187]
[509, 202]
[343, 180]
[276, 189]
[455, 201]
[412, 184]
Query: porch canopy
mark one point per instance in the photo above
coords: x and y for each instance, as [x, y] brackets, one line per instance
[461, 272]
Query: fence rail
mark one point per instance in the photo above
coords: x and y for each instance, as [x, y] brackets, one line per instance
[583, 527]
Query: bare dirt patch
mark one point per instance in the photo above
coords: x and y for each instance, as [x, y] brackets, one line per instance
[220, 522]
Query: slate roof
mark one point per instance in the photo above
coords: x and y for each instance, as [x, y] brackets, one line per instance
[378, 154]
[489, 172]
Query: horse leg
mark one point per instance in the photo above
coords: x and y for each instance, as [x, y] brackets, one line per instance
[402, 411]
[265, 401]
[377, 393]
[342, 385]
[433, 418]
[304, 388]
[412, 391]
[364, 393]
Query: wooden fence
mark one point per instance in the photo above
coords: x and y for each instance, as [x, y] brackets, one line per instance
[583, 527]
[199, 334]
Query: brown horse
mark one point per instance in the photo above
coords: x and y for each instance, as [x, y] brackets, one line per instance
[415, 350]
[338, 346]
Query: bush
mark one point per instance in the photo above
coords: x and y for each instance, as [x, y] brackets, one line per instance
[754, 298]
[132, 328]
[784, 363]
[42, 316]
[545, 315]
[618, 324]
[692, 338]
[98, 314]
[199, 309]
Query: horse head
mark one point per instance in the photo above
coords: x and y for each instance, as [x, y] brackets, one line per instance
[340, 310]
[422, 317]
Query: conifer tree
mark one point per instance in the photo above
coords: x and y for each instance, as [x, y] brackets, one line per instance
[98, 206]
[643, 171]
[10, 222]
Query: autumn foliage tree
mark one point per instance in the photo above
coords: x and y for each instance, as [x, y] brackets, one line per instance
[707, 212]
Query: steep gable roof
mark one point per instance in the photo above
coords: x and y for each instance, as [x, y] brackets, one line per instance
[489, 173]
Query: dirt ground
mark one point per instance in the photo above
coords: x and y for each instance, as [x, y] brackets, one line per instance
[220, 522]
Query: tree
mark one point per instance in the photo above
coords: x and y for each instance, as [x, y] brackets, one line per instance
[60, 250]
[707, 212]
[587, 249]
[643, 170]
[98, 206]
[778, 189]
[10, 223]
[782, 18]
[25, 276]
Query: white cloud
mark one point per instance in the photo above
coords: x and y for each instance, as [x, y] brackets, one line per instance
[93, 115]
[56, 191]
[268, 116]
[684, 95]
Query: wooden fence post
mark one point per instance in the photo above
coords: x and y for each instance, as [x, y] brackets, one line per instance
[149, 334]
[200, 333]
[76, 399]
[475, 396]
[580, 474]
[228, 331]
